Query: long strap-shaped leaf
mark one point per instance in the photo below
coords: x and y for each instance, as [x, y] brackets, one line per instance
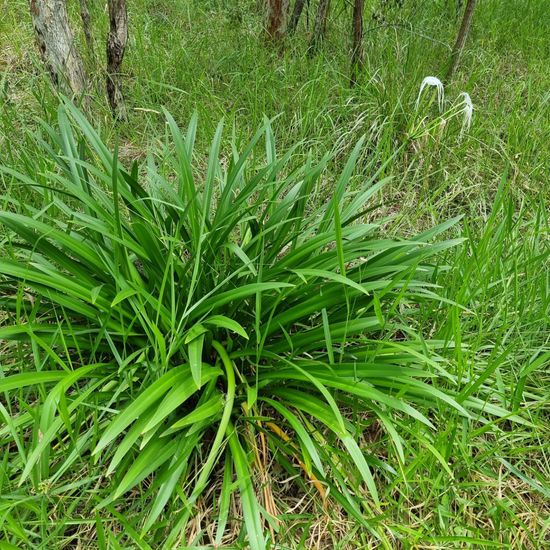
[250, 505]
[146, 399]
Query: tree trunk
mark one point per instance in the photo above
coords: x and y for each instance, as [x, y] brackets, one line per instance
[357, 31]
[461, 37]
[116, 45]
[56, 43]
[296, 13]
[276, 19]
[319, 27]
[87, 26]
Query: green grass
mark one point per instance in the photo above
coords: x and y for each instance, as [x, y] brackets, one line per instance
[111, 301]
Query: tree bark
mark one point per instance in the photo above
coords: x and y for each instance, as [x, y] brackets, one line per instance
[87, 26]
[357, 32]
[461, 37]
[57, 47]
[295, 17]
[319, 27]
[276, 19]
[116, 45]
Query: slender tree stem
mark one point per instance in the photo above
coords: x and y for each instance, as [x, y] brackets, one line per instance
[319, 27]
[461, 37]
[116, 45]
[357, 32]
[296, 13]
[87, 26]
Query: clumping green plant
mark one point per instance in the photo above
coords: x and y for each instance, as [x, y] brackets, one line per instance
[178, 323]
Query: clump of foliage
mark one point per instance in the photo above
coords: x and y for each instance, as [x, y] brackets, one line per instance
[181, 326]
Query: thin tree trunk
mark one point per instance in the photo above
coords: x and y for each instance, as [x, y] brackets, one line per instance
[116, 45]
[296, 13]
[461, 37]
[276, 19]
[57, 47]
[319, 27]
[357, 31]
[87, 26]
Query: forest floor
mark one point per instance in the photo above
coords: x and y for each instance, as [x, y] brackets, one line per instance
[210, 57]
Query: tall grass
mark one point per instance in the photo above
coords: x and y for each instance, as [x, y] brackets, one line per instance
[90, 286]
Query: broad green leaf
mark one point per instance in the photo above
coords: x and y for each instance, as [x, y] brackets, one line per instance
[194, 332]
[149, 459]
[123, 295]
[221, 321]
[336, 277]
[210, 408]
[139, 405]
[178, 395]
[195, 358]
[25, 379]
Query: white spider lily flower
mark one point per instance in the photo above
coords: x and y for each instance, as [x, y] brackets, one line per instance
[468, 110]
[438, 85]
